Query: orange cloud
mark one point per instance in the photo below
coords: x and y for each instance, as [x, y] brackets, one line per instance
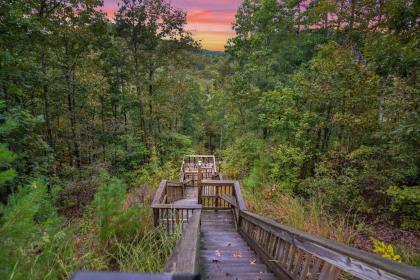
[212, 27]
[211, 16]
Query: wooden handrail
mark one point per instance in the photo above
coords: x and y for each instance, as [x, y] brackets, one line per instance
[340, 257]
[177, 206]
[185, 256]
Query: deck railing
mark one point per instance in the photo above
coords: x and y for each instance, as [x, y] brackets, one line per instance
[165, 212]
[197, 167]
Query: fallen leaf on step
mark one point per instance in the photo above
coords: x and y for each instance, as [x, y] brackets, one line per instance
[237, 254]
[218, 253]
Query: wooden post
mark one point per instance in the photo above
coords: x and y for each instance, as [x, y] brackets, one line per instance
[217, 196]
[156, 217]
[199, 178]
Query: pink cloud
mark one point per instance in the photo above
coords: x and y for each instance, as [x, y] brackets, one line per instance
[211, 16]
[207, 19]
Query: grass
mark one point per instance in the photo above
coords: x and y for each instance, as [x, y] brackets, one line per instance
[308, 216]
[146, 253]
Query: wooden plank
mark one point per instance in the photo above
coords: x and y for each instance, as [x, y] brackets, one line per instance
[159, 192]
[229, 199]
[177, 206]
[218, 182]
[184, 258]
[238, 194]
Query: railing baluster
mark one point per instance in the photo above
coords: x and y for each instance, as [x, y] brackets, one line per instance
[305, 267]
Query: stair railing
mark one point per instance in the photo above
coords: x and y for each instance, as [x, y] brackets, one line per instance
[293, 254]
[185, 257]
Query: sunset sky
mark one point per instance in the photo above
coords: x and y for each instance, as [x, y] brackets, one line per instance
[210, 21]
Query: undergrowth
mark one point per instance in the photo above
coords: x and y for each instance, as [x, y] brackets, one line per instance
[114, 233]
[145, 253]
[308, 216]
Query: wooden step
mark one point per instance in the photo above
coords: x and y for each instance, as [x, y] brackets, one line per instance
[235, 255]
[241, 276]
[239, 243]
[234, 267]
[225, 251]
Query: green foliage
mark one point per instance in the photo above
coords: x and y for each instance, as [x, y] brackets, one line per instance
[405, 203]
[23, 152]
[286, 165]
[308, 215]
[239, 157]
[174, 146]
[32, 241]
[6, 157]
[114, 220]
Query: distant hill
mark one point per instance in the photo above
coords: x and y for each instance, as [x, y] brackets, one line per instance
[212, 53]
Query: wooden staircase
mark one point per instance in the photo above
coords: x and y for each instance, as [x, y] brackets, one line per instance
[221, 239]
[223, 252]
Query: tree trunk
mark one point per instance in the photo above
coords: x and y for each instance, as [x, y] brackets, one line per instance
[138, 91]
[46, 101]
[72, 116]
[150, 91]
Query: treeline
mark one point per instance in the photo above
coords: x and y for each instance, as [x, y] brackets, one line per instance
[320, 100]
[77, 88]
[85, 99]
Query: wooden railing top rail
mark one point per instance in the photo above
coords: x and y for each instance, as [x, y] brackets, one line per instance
[184, 258]
[177, 206]
[159, 193]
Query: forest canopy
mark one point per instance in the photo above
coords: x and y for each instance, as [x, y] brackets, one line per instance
[313, 103]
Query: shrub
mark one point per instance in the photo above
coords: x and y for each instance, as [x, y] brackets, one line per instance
[337, 194]
[386, 251]
[240, 157]
[286, 165]
[405, 202]
[114, 220]
[32, 242]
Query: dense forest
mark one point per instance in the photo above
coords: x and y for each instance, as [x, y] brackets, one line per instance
[314, 106]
